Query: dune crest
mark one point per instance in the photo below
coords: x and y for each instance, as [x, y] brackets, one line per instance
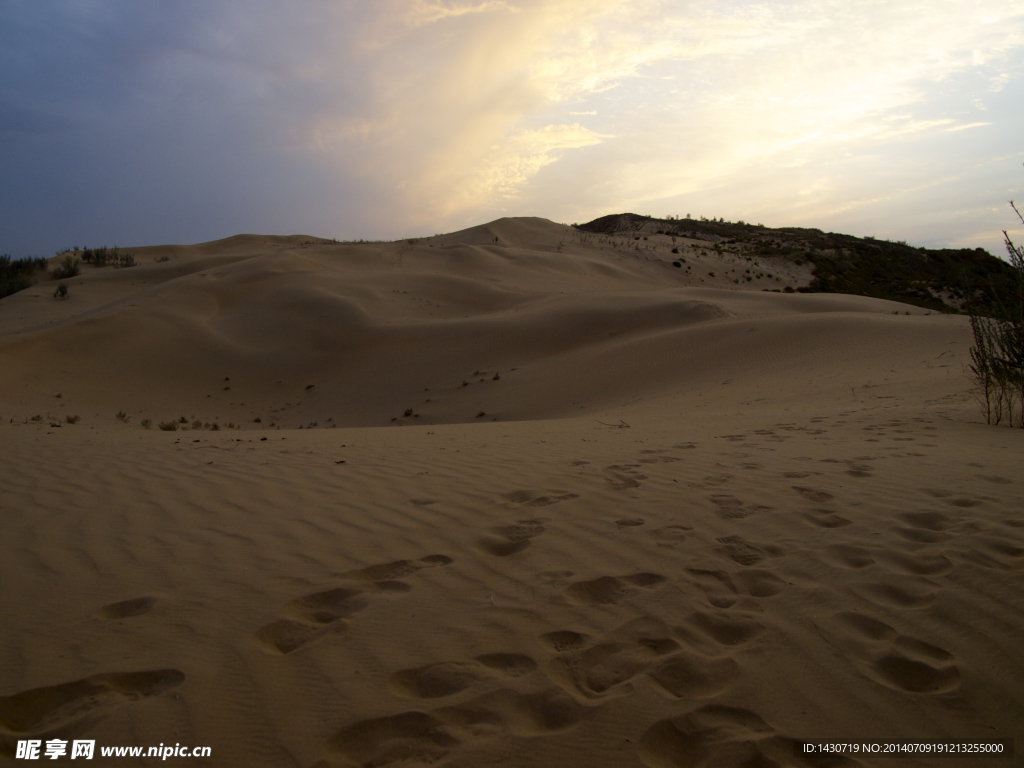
[516, 495]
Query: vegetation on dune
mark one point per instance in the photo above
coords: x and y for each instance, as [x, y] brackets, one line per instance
[68, 267]
[942, 280]
[17, 274]
[101, 257]
[997, 357]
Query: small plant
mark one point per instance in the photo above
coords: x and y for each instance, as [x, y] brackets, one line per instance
[122, 417]
[183, 420]
[408, 412]
[162, 259]
[169, 426]
[68, 267]
[497, 377]
[146, 423]
[310, 386]
[214, 427]
[73, 419]
[257, 420]
[997, 357]
[197, 424]
[481, 414]
[61, 292]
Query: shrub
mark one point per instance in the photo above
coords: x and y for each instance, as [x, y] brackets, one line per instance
[73, 419]
[257, 420]
[162, 258]
[121, 416]
[17, 275]
[61, 292]
[146, 423]
[169, 426]
[68, 267]
[997, 357]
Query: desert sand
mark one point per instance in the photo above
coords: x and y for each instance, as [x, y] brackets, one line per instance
[516, 496]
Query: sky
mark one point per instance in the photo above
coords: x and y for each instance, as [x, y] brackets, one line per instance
[139, 122]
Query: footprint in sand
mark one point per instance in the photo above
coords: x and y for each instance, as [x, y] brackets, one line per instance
[564, 640]
[608, 590]
[711, 481]
[126, 609]
[669, 535]
[535, 499]
[408, 737]
[717, 586]
[890, 595]
[825, 518]
[657, 458]
[996, 554]
[42, 711]
[916, 564]
[727, 630]
[721, 588]
[737, 549]
[447, 678]
[933, 527]
[859, 470]
[623, 476]
[717, 735]
[848, 556]
[420, 738]
[604, 669]
[509, 539]
[891, 659]
[731, 508]
[813, 495]
[396, 570]
[317, 615]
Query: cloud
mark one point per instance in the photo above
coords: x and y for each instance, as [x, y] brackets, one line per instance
[965, 127]
[345, 118]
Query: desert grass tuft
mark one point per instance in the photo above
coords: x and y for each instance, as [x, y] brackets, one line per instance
[997, 357]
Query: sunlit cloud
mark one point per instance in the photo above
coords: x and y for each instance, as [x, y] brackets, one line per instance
[965, 127]
[388, 118]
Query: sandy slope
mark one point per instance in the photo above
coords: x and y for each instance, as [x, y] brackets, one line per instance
[694, 524]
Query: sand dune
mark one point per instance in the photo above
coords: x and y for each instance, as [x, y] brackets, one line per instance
[554, 502]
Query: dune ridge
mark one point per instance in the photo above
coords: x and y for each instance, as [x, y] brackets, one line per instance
[694, 525]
